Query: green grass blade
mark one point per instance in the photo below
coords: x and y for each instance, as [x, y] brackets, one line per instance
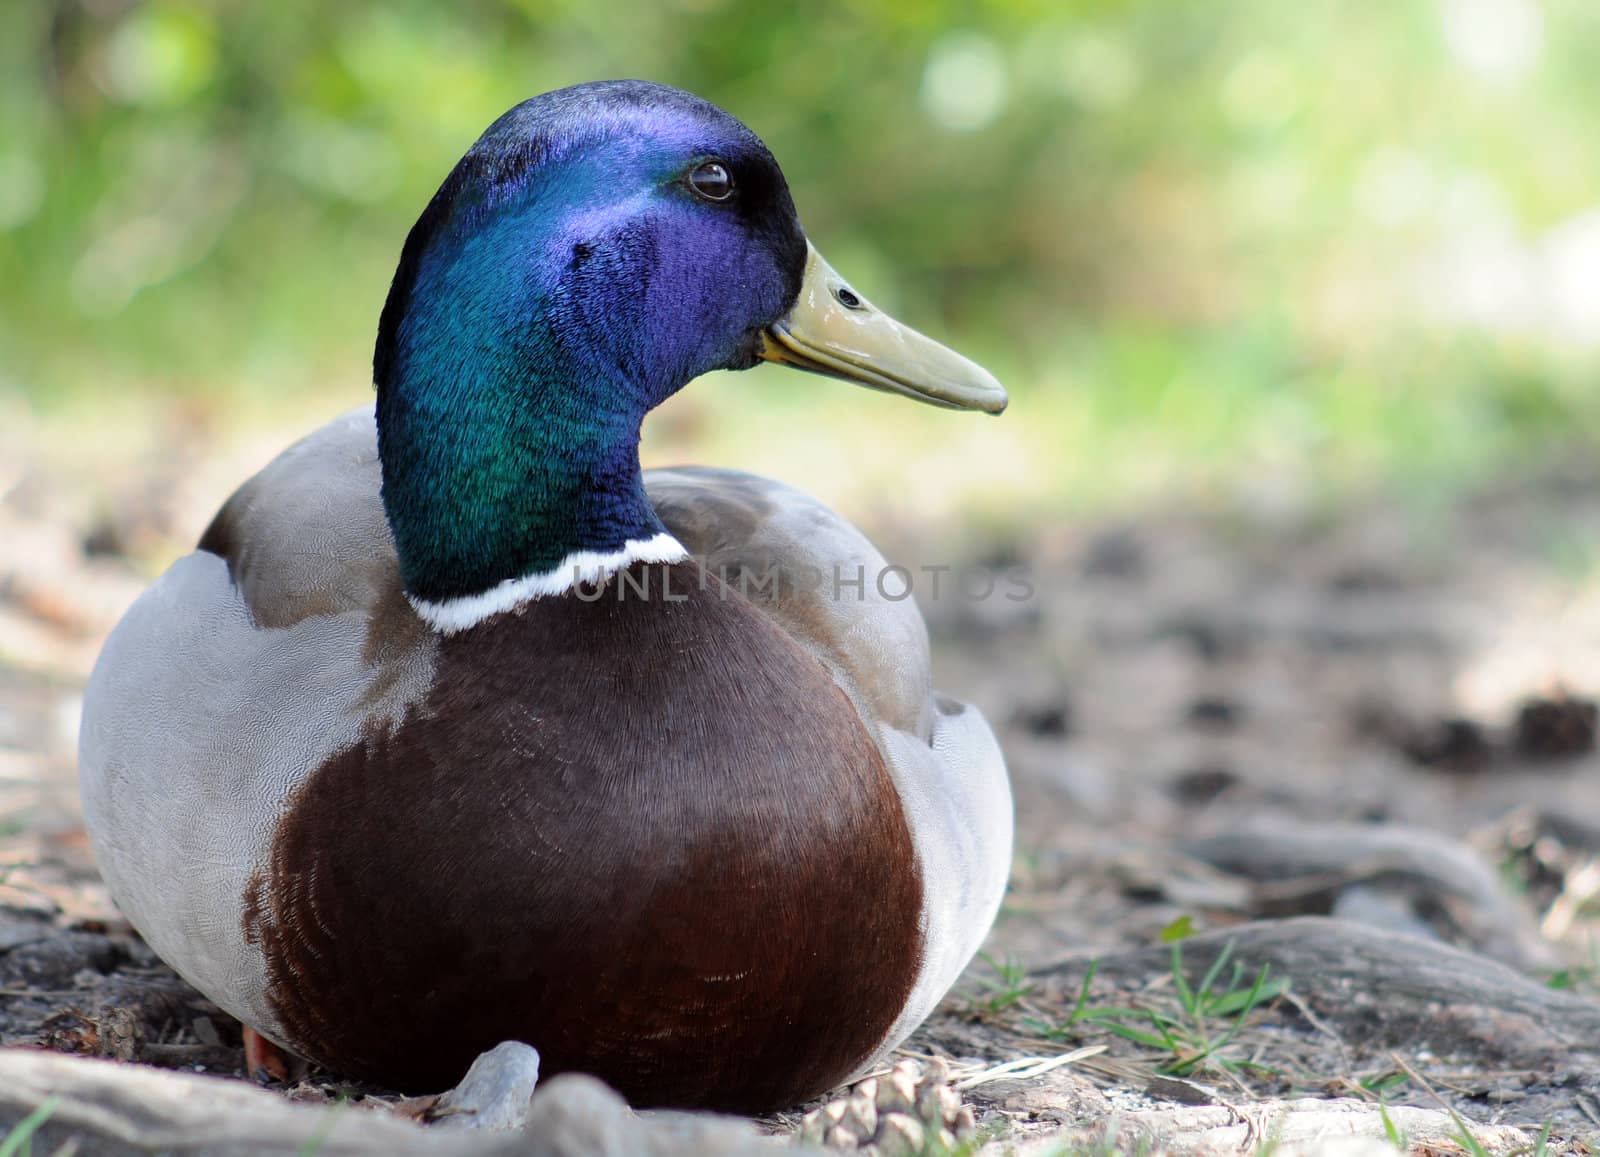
[22, 1132]
[1396, 1138]
[1083, 992]
[1464, 1137]
[1185, 993]
[1137, 1037]
[1238, 998]
[1216, 968]
[1249, 1003]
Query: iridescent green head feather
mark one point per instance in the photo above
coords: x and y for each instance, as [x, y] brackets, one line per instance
[594, 251]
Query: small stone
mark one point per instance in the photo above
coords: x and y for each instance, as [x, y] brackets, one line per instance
[16, 932]
[1048, 720]
[1201, 785]
[205, 1031]
[494, 1093]
[1561, 727]
[1214, 712]
[1456, 746]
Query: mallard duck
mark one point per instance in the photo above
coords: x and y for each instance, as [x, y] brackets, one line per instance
[459, 727]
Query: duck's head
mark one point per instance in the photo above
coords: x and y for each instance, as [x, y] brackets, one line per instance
[594, 251]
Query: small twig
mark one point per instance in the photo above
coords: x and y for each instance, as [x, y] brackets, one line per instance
[1317, 1023]
[1026, 1068]
[1422, 1082]
[1588, 1108]
[1238, 1081]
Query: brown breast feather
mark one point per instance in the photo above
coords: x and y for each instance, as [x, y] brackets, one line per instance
[652, 838]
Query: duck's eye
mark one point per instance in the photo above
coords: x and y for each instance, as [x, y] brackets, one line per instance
[711, 180]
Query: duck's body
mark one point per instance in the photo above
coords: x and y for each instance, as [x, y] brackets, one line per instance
[390, 792]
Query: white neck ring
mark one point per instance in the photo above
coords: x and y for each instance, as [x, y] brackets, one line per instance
[582, 567]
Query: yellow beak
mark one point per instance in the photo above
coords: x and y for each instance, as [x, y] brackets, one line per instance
[835, 331]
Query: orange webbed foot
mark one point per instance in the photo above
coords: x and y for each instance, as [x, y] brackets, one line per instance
[265, 1062]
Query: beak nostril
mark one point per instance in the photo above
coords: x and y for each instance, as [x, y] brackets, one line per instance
[870, 348]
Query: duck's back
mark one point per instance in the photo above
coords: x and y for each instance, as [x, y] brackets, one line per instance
[669, 832]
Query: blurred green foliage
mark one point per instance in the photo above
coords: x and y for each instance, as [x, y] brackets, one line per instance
[1359, 238]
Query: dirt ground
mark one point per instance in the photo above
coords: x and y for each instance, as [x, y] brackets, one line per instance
[1290, 738]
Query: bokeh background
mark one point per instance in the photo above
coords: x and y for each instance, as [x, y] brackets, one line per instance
[1298, 301]
[1283, 250]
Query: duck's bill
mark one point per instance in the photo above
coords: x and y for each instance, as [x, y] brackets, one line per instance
[833, 330]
